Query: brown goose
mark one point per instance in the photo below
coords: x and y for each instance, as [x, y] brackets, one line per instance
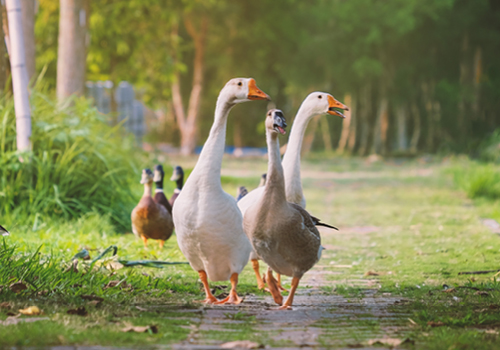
[283, 234]
[151, 220]
[159, 195]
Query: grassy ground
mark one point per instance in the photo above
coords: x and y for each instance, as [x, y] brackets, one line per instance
[405, 231]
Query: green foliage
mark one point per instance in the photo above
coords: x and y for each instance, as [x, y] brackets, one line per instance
[489, 151]
[478, 180]
[79, 164]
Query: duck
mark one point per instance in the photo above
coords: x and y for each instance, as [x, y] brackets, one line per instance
[316, 103]
[3, 231]
[241, 192]
[282, 233]
[178, 177]
[208, 223]
[151, 220]
[159, 196]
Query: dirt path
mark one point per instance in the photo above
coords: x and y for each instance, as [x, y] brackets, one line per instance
[320, 318]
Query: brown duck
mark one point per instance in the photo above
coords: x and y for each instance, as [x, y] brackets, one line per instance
[151, 220]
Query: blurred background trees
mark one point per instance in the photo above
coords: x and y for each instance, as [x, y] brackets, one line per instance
[420, 75]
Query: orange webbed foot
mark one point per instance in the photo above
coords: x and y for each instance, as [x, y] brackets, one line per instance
[232, 298]
[273, 288]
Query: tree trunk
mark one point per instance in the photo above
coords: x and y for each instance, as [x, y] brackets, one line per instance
[381, 125]
[478, 71]
[19, 75]
[309, 138]
[346, 122]
[351, 114]
[188, 122]
[3, 57]
[71, 53]
[364, 116]
[415, 137]
[5, 25]
[28, 12]
[325, 132]
[402, 119]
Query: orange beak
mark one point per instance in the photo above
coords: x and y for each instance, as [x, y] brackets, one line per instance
[254, 93]
[332, 104]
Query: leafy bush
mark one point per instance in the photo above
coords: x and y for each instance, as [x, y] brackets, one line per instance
[79, 163]
[490, 149]
[479, 180]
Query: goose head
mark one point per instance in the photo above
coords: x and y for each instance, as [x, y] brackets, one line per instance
[239, 90]
[159, 173]
[177, 174]
[323, 103]
[147, 176]
[275, 122]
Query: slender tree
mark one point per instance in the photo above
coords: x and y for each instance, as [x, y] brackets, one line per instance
[28, 12]
[71, 54]
[19, 75]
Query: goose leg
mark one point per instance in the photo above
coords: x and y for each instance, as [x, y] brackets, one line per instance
[232, 298]
[255, 265]
[210, 299]
[161, 243]
[145, 240]
[288, 303]
[273, 287]
[280, 287]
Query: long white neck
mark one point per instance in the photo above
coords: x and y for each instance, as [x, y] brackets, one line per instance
[275, 182]
[209, 163]
[291, 160]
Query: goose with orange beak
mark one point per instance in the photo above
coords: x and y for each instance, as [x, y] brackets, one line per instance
[207, 220]
[316, 103]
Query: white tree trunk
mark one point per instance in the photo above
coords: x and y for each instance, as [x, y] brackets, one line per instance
[71, 53]
[19, 75]
[28, 11]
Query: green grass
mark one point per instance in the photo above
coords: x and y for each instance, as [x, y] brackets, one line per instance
[426, 231]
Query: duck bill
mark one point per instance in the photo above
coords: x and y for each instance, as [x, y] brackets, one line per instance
[332, 104]
[254, 93]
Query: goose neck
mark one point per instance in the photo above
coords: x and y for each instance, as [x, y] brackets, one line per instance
[147, 189]
[275, 182]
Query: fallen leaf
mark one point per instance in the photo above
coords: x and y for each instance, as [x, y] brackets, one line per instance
[412, 322]
[5, 305]
[450, 290]
[242, 344]
[141, 308]
[18, 287]
[91, 297]
[372, 273]
[43, 293]
[493, 306]
[139, 329]
[94, 302]
[15, 320]
[483, 293]
[80, 311]
[435, 324]
[491, 331]
[73, 267]
[31, 311]
[114, 265]
[10, 313]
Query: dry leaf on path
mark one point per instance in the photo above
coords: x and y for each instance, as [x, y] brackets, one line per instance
[18, 287]
[450, 290]
[80, 311]
[242, 344]
[139, 329]
[91, 297]
[483, 293]
[435, 324]
[31, 311]
[94, 302]
[372, 273]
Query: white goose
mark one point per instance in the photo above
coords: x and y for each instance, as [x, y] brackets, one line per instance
[208, 223]
[314, 104]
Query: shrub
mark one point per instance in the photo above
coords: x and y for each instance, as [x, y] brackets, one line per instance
[479, 180]
[78, 164]
[490, 148]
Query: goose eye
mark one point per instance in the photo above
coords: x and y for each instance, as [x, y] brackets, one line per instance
[239, 84]
[320, 96]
